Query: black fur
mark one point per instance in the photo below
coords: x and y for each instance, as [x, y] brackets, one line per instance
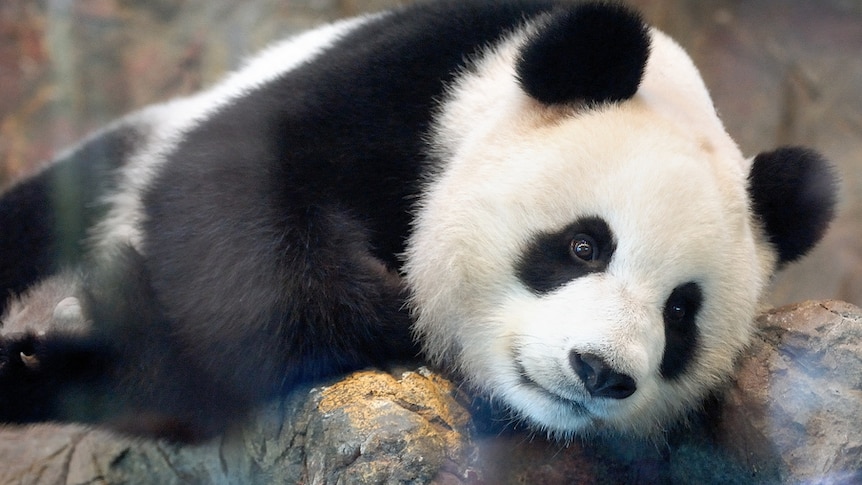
[548, 263]
[597, 52]
[680, 329]
[793, 191]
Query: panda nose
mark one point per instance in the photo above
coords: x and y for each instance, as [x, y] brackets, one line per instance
[598, 377]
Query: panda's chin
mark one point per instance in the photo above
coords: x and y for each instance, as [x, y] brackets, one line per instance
[561, 416]
[528, 384]
[575, 407]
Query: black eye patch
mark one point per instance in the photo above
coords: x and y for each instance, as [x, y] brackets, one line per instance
[680, 328]
[552, 259]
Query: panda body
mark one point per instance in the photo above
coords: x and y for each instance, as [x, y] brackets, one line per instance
[538, 196]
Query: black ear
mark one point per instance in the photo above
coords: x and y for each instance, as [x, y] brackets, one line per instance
[592, 52]
[793, 192]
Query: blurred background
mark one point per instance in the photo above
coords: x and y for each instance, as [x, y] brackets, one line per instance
[781, 72]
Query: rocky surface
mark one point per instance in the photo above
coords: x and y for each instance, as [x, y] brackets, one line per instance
[790, 416]
[797, 399]
[370, 427]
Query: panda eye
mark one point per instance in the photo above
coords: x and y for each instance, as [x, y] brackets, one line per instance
[683, 303]
[676, 312]
[583, 247]
[552, 259]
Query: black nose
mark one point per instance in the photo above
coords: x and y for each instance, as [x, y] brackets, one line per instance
[599, 379]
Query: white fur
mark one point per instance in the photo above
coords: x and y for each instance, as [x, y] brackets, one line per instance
[664, 174]
[164, 125]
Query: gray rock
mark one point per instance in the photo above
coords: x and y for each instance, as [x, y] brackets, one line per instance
[798, 395]
[370, 427]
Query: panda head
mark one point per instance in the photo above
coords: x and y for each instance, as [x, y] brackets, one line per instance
[593, 248]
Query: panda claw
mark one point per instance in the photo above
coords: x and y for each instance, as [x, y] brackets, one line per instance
[19, 353]
[30, 360]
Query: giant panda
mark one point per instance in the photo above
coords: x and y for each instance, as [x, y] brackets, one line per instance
[536, 196]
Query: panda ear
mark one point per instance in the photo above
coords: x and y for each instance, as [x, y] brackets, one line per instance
[793, 192]
[592, 52]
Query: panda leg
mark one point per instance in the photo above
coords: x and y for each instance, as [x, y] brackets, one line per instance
[155, 386]
[124, 369]
[70, 378]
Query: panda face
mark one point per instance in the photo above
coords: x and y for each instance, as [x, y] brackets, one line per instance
[629, 307]
[595, 268]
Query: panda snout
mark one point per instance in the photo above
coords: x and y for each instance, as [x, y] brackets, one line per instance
[599, 378]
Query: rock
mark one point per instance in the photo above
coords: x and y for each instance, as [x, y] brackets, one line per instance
[789, 416]
[798, 395]
[370, 427]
